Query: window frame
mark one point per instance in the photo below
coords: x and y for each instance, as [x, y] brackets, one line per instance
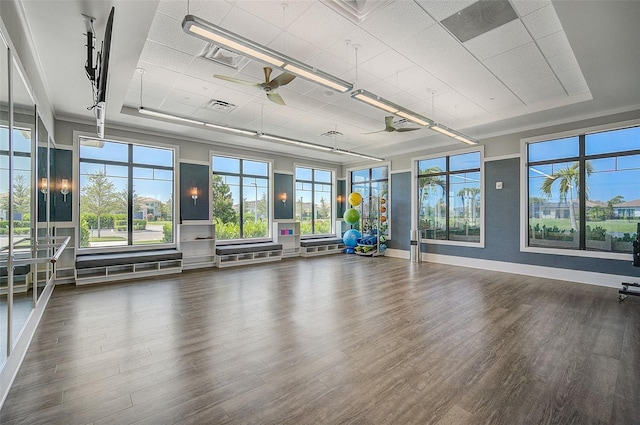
[332, 200]
[269, 177]
[349, 185]
[524, 190]
[414, 195]
[76, 187]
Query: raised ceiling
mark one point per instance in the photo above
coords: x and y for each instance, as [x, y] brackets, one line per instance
[541, 66]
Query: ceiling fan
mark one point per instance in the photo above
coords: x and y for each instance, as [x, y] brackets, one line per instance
[388, 123]
[269, 86]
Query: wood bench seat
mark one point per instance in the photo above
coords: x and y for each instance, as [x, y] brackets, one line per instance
[95, 268]
[240, 254]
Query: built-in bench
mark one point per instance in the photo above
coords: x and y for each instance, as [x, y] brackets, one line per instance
[21, 278]
[320, 246]
[96, 268]
[239, 254]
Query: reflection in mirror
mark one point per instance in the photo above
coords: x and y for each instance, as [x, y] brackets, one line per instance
[4, 199]
[23, 199]
[44, 270]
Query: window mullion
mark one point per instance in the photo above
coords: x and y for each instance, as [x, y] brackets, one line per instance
[130, 206]
[582, 194]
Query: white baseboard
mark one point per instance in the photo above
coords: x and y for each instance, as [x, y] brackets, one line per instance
[579, 276]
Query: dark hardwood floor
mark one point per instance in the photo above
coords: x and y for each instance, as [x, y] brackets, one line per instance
[333, 340]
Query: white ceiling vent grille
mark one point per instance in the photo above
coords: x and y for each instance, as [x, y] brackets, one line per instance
[480, 17]
[332, 133]
[220, 106]
[356, 11]
[222, 56]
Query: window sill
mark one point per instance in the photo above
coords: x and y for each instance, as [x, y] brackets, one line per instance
[578, 253]
[452, 243]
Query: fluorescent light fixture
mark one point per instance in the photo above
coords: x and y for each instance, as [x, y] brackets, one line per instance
[443, 129]
[385, 105]
[271, 137]
[295, 142]
[207, 31]
[359, 155]
[158, 114]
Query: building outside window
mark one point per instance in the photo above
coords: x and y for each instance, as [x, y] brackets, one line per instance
[126, 194]
[314, 200]
[240, 191]
[599, 215]
[450, 197]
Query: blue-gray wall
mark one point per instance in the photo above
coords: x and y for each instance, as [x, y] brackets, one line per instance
[502, 226]
[194, 175]
[282, 183]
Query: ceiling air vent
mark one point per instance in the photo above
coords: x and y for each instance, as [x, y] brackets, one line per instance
[357, 11]
[332, 133]
[220, 106]
[222, 56]
[480, 17]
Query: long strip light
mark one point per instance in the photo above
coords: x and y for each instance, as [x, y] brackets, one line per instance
[270, 137]
[200, 28]
[385, 105]
[443, 129]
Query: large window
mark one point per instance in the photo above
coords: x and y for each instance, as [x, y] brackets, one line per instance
[240, 192]
[314, 195]
[126, 194]
[449, 197]
[599, 215]
[373, 185]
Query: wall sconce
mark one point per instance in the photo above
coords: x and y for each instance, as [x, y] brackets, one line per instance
[44, 188]
[283, 198]
[64, 189]
[340, 199]
[194, 194]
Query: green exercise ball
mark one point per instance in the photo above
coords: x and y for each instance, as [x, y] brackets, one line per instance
[351, 216]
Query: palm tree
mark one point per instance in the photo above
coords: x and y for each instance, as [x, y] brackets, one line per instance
[568, 178]
[428, 184]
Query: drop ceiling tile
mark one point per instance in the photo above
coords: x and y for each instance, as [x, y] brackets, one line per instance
[274, 12]
[418, 80]
[210, 11]
[156, 74]
[149, 90]
[197, 86]
[387, 65]
[531, 72]
[176, 108]
[168, 32]
[369, 47]
[573, 81]
[457, 105]
[204, 69]
[489, 92]
[563, 62]
[465, 76]
[542, 22]
[514, 59]
[543, 89]
[165, 57]
[250, 27]
[293, 47]
[499, 40]
[554, 44]
[525, 7]
[443, 9]
[321, 26]
[186, 98]
[398, 21]
[448, 64]
[329, 63]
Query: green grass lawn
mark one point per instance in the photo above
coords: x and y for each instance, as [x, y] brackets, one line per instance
[107, 239]
[622, 226]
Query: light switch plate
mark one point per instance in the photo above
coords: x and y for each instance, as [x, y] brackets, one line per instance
[498, 185]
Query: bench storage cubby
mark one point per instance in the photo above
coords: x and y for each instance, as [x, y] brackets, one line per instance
[97, 268]
[320, 246]
[237, 255]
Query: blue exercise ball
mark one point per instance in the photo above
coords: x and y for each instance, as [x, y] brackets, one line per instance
[350, 238]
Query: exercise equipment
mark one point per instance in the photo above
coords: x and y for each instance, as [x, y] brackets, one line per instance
[355, 199]
[351, 216]
[622, 293]
[350, 239]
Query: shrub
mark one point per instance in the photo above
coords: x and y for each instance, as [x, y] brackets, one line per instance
[84, 234]
[598, 233]
[167, 232]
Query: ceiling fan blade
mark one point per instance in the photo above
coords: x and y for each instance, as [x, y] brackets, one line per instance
[374, 132]
[275, 98]
[237, 80]
[267, 75]
[282, 79]
[388, 124]
[407, 129]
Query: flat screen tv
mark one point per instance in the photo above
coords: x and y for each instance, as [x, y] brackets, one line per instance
[103, 60]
